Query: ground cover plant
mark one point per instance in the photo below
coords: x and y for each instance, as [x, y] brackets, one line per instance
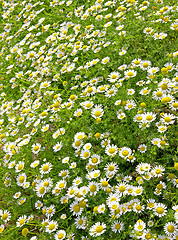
[88, 115]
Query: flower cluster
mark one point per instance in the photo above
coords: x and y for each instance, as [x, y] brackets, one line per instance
[88, 114]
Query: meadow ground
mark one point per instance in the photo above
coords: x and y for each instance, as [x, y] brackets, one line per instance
[88, 114]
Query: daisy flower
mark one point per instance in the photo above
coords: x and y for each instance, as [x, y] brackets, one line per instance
[57, 147]
[75, 208]
[21, 221]
[36, 148]
[38, 204]
[87, 146]
[111, 167]
[167, 118]
[113, 77]
[130, 91]
[34, 164]
[45, 168]
[45, 84]
[130, 105]
[93, 188]
[19, 166]
[85, 154]
[21, 179]
[105, 60]
[117, 226]
[5, 216]
[170, 229]
[162, 128]
[151, 204]
[78, 112]
[159, 209]
[45, 128]
[97, 111]
[111, 92]
[1, 228]
[81, 222]
[138, 208]
[125, 152]
[139, 226]
[104, 184]
[52, 226]
[105, 142]
[60, 235]
[158, 171]
[50, 211]
[130, 73]
[142, 148]
[111, 150]
[87, 104]
[17, 195]
[97, 229]
[40, 190]
[145, 91]
[144, 65]
[101, 208]
[121, 115]
[122, 188]
[149, 117]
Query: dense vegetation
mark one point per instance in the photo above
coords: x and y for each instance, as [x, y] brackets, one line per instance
[88, 115]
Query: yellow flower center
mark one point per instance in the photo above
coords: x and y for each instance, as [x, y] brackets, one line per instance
[61, 185]
[82, 204]
[90, 90]
[76, 208]
[22, 221]
[159, 210]
[140, 227]
[130, 74]
[51, 226]
[41, 190]
[20, 167]
[112, 150]
[158, 171]
[88, 105]
[104, 184]
[97, 113]
[117, 226]
[145, 65]
[160, 186]
[125, 153]
[86, 154]
[148, 236]
[60, 235]
[151, 205]
[45, 168]
[138, 191]
[43, 114]
[99, 229]
[36, 148]
[4, 216]
[111, 168]
[80, 222]
[167, 119]
[138, 207]
[164, 86]
[149, 118]
[121, 188]
[165, 99]
[25, 231]
[21, 179]
[92, 188]
[72, 192]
